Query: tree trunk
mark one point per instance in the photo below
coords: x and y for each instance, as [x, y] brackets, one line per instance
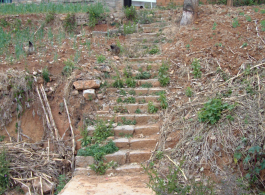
[190, 11]
[230, 3]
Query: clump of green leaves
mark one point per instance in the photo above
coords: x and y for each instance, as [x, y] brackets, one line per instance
[262, 23]
[68, 68]
[120, 109]
[130, 12]
[212, 111]
[122, 92]
[163, 77]
[69, 23]
[96, 13]
[130, 82]
[118, 83]
[143, 75]
[138, 111]
[188, 92]
[101, 58]
[132, 92]
[244, 45]
[4, 172]
[154, 50]
[49, 17]
[124, 121]
[214, 26]
[147, 85]
[130, 100]
[85, 140]
[103, 130]
[248, 18]
[163, 101]
[152, 108]
[129, 28]
[145, 16]
[46, 74]
[196, 67]
[127, 72]
[235, 23]
[100, 167]
[159, 154]
[63, 180]
[3, 22]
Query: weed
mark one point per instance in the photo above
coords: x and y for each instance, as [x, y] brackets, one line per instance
[49, 17]
[214, 26]
[248, 18]
[100, 167]
[4, 172]
[129, 28]
[96, 13]
[2, 137]
[120, 109]
[163, 77]
[188, 92]
[256, 9]
[188, 46]
[147, 85]
[127, 72]
[138, 111]
[235, 23]
[128, 122]
[130, 13]
[145, 17]
[63, 180]
[3, 22]
[132, 92]
[230, 117]
[119, 100]
[142, 101]
[68, 68]
[244, 45]
[212, 111]
[101, 58]
[46, 74]
[143, 75]
[103, 130]
[151, 108]
[118, 83]
[69, 23]
[262, 23]
[163, 101]
[241, 13]
[125, 135]
[85, 140]
[130, 100]
[122, 92]
[130, 82]
[149, 67]
[159, 154]
[196, 68]
[154, 50]
[262, 11]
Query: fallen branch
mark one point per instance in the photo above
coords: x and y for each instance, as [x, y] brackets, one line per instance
[177, 167]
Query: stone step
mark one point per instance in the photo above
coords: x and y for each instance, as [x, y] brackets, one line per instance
[131, 108]
[135, 143]
[140, 119]
[147, 59]
[124, 169]
[154, 82]
[143, 66]
[138, 99]
[138, 91]
[141, 35]
[131, 130]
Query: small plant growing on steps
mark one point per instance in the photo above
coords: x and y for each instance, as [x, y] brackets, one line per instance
[196, 67]
[46, 74]
[143, 75]
[130, 12]
[188, 92]
[138, 111]
[151, 108]
[130, 100]
[163, 77]
[63, 180]
[69, 23]
[147, 85]
[96, 13]
[130, 82]
[163, 101]
[68, 68]
[101, 59]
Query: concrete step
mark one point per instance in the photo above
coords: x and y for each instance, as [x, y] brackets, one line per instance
[154, 82]
[131, 108]
[135, 143]
[140, 119]
[138, 91]
[131, 130]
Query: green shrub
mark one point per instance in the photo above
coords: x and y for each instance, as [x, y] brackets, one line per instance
[69, 23]
[212, 111]
[188, 92]
[4, 172]
[132, 92]
[120, 109]
[128, 122]
[129, 28]
[127, 72]
[130, 100]
[145, 17]
[151, 108]
[46, 74]
[49, 17]
[163, 77]
[196, 67]
[103, 130]
[248, 18]
[101, 59]
[130, 82]
[96, 13]
[3, 22]
[138, 111]
[130, 13]
[63, 180]
[68, 68]
[154, 50]
[163, 101]
[235, 23]
[100, 167]
[119, 100]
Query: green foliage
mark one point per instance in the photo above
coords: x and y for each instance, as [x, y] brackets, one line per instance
[196, 68]
[262, 11]
[142, 101]
[151, 108]
[125, 135]
[212, 111]
[163, 101]
[132, 92]
[241, 13]
[4, 172]
[244, 45]
[143, 75]
[120, 109]
[49, 17]
[130, 13]
[188, 92]
[235, 23]
[127, 72]
[128, 122]
[118, 83]
[96, 13]
[147, 85]
[154, 50]
[145, 16]
[130, 100]
[46, 74]
[122, 92]
[63, 180]
[159, 154]
[163, 77]
[98, 151]
[188, 46]
[3, 22]
[85, 140]
[68, 68]
[262, 23]
[214, 26]
[130, 82]
[138, 111]
[248, 18]
[119, 100]
[171, 183]
[101, 58]
[129, 28]
[100, 167]
[103, 130]
[2, 138]
[69, 23]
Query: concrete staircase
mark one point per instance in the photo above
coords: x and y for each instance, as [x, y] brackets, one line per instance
[136, 142]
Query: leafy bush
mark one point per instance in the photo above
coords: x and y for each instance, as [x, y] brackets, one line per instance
[196, 67]
[63, 180]
[127, 72]
[163, 101]
[163, 77]
[4, 172]
[100, 167]
[212, 111]
[101, 59]
[130, 13]
[69, 23]
[3, 22]
[128, 122]
[138, 111]
[68, 68]
[120, 109]
[46, 74]
[151, 108]
[130, 82]
[248, 18]
[103, 130]
[49, 17]
[96, 13]
[132, 92]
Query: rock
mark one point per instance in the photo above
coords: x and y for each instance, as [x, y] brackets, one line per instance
[83, 161]
[74, 92]
[100, 96]
[46, 187]
[116, 57]
[87, 84]
[89, 94]
[104, 68]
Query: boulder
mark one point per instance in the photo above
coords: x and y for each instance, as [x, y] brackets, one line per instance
[83, 161]
[86, 84]
[89, 94]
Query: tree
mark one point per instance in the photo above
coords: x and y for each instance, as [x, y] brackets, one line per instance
[190, 11]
